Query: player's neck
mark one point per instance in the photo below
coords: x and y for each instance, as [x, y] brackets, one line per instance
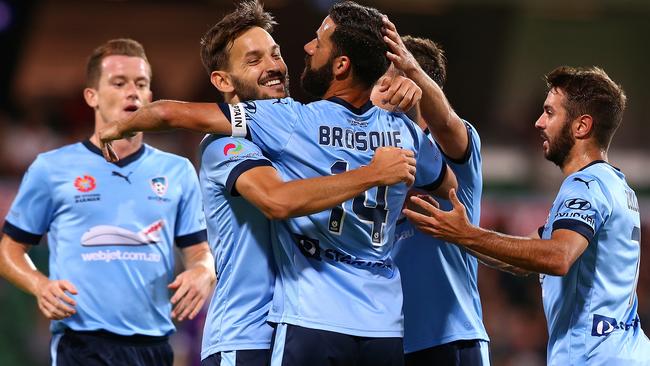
[354, 94]
[580, 156]
[123, 147]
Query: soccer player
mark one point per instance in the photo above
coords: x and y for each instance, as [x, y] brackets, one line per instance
[111, 230]
[587, 253]
[338, 294]
[442, 308]
[245, 63]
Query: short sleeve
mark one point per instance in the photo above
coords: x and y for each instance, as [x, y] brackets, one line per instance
[581, 206]
[268, 123]
[430, 166]
[190, 220]
[224, 159]
[31, 213]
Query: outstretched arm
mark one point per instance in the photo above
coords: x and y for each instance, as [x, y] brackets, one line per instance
[264, 188]
[553, 256]
[165, 115]
[17, 268]
[445, 125]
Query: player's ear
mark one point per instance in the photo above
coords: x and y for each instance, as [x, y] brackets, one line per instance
[341, 67]
[90, 95]
[221, 80]
[583, 126]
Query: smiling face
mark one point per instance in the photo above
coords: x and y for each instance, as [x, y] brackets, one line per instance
[123, 87]
[555, 128]
[255, 70]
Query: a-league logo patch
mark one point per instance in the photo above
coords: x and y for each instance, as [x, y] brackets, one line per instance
[159, 186]
[85, 183]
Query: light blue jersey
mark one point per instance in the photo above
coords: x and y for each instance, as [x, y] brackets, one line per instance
[592, 310]
[335, 272]
[111, 229]
[240, 238]
[441, 299]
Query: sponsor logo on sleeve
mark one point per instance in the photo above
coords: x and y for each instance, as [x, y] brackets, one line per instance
[577, 204]
[233, 149]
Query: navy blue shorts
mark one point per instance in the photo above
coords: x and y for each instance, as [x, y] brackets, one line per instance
[249, 357]
[95, 348]
[459, 353]
[297, 346]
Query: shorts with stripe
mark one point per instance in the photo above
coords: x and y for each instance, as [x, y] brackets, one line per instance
[249, 357]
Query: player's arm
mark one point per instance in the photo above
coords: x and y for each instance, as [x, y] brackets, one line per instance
[263, 186]
[553, 256]
[449, 182]
[18, 268]
[447, 128]
[193, 285]
[166, 115]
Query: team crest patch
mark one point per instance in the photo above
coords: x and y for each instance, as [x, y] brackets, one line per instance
[159, 186]
[232, 149]
[85, 183]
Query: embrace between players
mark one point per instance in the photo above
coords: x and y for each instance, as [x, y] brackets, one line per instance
[304, 210]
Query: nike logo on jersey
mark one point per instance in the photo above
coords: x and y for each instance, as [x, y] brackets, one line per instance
[125, 177]
[115, 235]
[586, 182]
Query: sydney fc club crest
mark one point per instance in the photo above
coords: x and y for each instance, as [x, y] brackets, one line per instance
[159, 186]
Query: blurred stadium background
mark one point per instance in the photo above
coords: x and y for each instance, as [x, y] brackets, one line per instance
[497, 52]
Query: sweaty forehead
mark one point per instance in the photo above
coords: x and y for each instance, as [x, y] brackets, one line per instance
[326, 27]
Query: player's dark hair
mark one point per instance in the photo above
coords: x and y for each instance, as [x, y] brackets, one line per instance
[218, 40]
[589, 90]
[358, 36]
[120, 47]
[430, 56]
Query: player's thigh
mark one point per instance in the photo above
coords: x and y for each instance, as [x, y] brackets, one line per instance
[458, 353]
[381, 352]
[297, 346]
[250, 357]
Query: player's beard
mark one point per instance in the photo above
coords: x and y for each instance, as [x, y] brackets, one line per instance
[249, 91]
[559, 148]
[317, 81]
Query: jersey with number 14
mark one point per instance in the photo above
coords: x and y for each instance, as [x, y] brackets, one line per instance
[592, 310]
[335, 272]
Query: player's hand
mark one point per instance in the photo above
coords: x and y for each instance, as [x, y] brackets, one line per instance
[193, 286]
[393, 165]
[450, 226]
[398, 93]
[397, 53]
[53, 301]
[110, 132]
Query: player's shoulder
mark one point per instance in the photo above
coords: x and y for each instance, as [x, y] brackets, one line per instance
[62, 153]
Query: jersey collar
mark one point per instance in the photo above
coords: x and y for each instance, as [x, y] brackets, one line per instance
[358, 111]
[123, 162]
[598, 162]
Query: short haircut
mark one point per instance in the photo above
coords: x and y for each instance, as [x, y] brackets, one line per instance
[589, 90]
[430, 56]
[358, 36]
[218, 40]
[119, 47]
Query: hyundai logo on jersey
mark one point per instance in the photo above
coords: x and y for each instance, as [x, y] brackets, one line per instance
[577, 204]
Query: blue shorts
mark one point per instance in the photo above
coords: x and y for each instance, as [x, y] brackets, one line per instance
[459, 353]
[248, 357]
[297, 346]
[94, 348]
